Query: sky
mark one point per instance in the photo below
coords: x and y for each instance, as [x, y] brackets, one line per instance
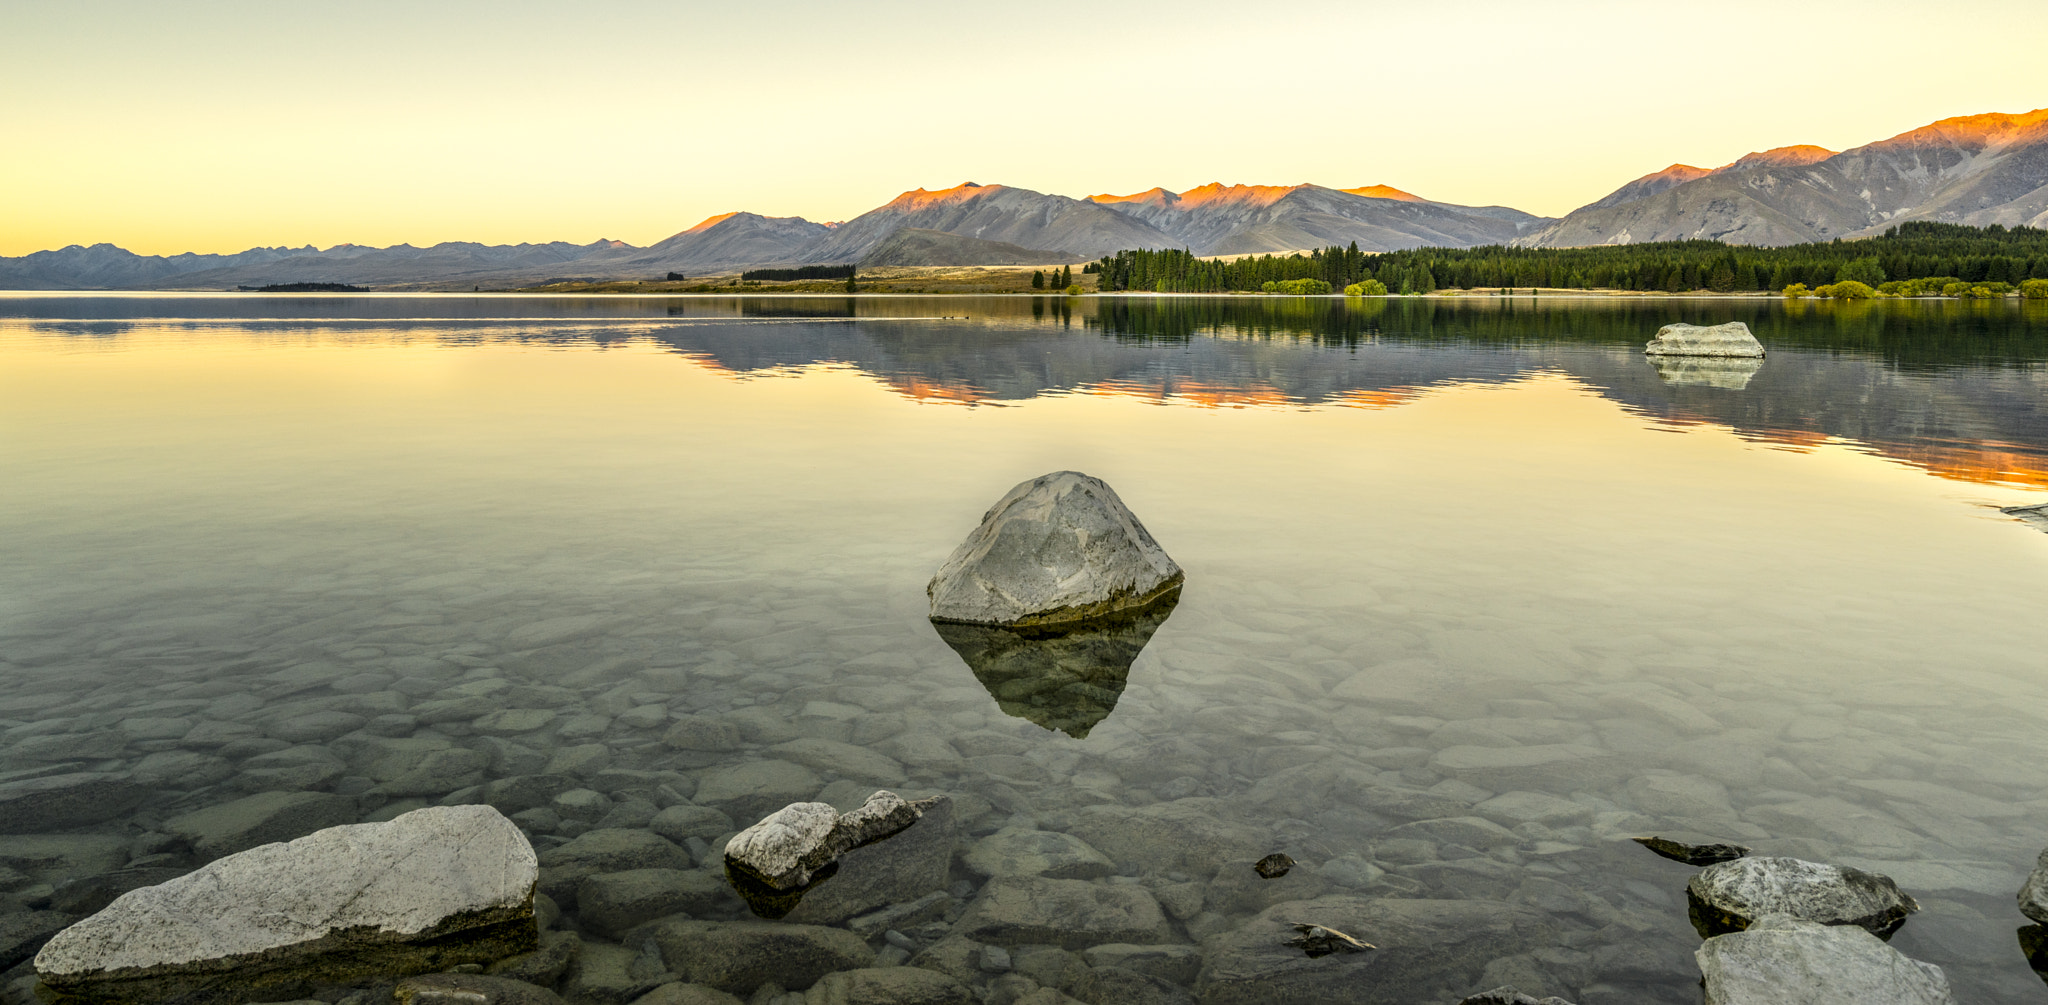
[219, 126]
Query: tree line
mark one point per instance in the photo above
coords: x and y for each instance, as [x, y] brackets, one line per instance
[1954, 253]
[800, 272]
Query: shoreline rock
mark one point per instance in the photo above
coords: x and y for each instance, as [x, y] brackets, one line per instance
[1785, 959]
[1732, 896]
[430, 889]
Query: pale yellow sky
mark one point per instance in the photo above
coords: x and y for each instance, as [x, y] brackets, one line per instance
[218, 126]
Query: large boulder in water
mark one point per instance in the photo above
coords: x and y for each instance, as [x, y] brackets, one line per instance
[1731, 896]
[1731, 339]
[1059, 548]
[1782, 959]
[428, 890]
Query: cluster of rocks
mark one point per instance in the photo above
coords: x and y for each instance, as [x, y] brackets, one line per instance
[1471, 832]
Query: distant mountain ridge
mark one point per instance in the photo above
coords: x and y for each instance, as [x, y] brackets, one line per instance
[1977, 169]
[1973, 169]
[969, 224]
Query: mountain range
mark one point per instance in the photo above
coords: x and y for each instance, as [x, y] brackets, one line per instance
[1979, 169]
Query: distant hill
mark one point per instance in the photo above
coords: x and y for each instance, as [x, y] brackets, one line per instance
[918, 246]
[1216, 219]
[1976, 169]
[999, 213]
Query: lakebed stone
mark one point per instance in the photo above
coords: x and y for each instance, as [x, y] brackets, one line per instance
[1061, 547]
[431, 889]
[61, 802]
[1070, 913]
[739, 957]
[1422, 946]
[1731, 339]
[1019, 851]
[470, 989]
[1785, 959]
[1731, 896]
[264, 818]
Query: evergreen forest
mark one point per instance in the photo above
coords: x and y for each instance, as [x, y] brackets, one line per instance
[1995, 258]
[800, 272]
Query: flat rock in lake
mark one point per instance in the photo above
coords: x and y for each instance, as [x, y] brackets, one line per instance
[1058, 548]
[1693, 854]
[779, 861]
[1731, 339]
[1782, 959]
[1730, 896]
[428, 890]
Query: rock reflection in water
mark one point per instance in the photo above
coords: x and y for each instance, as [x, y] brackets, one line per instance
[2034, 943]
[1703, 371]
[1064, 679]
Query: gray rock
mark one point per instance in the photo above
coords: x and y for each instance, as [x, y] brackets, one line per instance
[757, 788]
[434, 888]
[263, 818]
[543, 966]
[1731, 339]
[565, 867]
[1061, 547]
[1693, 854]
[686, 994]
[470, 989]
[612, 903]
[702, 732]
[888, 986]
[525, 792]
[1729, 896]
[683, 822]
[1069, 913]
[1422, 946]
[1187, 835]
[2033, 895]
[1784, 959]
[1020, 851]
[1508, 994]
[612, 975]
[741, 956]
[930, 907]
[61, 802]
[1172, 963]
[901, 867]
[1115, 986]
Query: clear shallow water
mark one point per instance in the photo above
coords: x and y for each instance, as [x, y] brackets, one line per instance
[242, 539]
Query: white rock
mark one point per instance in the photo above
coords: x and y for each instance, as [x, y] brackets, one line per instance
[1060, 547]
[787, 845]
[2034, 892]
[1731, 339]
[1782, 959]
[398, 895]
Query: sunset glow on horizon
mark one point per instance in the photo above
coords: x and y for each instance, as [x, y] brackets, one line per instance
[214, 127]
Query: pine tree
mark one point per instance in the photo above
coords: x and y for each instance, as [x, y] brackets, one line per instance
[1037, 280]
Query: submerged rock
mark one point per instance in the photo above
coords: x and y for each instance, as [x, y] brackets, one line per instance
[1063, 678]
[1731, 339]
[1058, 548]
[1784, 959]
[1731, 896]
[1273, 866]
[428, 890]
[2034, 944]
[1508, 994]
[1423, 944]
[1693, 854]
[774, 863]
[1315, 941]
[61, 802]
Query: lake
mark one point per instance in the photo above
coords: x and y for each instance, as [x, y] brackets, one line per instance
[1475, 593]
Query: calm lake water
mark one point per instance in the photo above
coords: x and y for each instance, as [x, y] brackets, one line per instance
[1475, 592]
